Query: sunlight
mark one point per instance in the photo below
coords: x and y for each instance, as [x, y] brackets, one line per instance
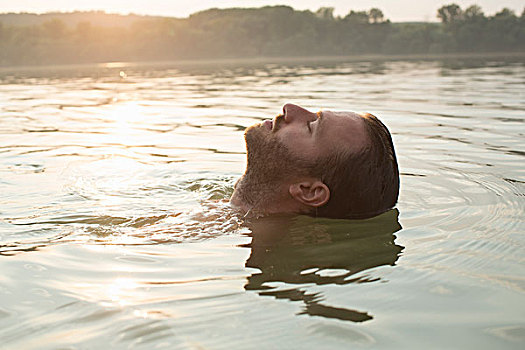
[127, 111]
[121, 291]
[114, 174]
[123, 126]
[114, 64]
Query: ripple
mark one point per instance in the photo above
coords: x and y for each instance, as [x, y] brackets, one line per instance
[514, 334]
[169, 228]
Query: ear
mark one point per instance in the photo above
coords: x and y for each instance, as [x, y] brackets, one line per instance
[312, 193]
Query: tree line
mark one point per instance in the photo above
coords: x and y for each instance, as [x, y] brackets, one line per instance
[262, 32]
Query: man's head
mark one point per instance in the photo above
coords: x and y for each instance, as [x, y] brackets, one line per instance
[330, 164]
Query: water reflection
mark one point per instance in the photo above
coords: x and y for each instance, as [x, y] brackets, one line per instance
[305, 250]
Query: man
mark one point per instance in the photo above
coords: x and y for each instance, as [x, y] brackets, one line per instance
[330, 164]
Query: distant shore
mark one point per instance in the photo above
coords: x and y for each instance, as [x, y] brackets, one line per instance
[265, 34]
[275, 60]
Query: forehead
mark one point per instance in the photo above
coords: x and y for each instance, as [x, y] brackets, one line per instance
[346, 130]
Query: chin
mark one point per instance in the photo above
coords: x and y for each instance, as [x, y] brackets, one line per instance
[259, 127]
[252, 128]
[255, 136]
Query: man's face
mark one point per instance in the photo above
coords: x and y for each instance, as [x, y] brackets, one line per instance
[289, 149]
[270, 160]
[305, 136]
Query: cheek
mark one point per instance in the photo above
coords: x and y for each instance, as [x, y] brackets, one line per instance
[299, 143]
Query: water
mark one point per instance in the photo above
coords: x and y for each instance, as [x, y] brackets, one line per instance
[115, 231]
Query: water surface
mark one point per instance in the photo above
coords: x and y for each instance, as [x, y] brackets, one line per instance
[114, 229]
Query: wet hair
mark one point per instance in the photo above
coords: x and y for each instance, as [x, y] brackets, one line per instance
[363, 184]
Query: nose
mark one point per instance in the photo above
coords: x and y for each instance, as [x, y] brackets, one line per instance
[296, 113]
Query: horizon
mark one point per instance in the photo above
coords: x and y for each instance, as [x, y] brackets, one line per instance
[424, 11]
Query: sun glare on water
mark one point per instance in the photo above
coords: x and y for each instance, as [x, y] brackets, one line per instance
[121, 291]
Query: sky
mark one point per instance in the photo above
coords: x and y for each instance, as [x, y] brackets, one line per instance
[395, 10]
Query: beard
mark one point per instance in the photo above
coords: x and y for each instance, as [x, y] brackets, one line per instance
[270, 165]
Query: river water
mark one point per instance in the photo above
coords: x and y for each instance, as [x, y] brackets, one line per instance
[114, 231]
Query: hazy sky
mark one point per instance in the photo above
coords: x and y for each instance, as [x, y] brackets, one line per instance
[395, 10]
